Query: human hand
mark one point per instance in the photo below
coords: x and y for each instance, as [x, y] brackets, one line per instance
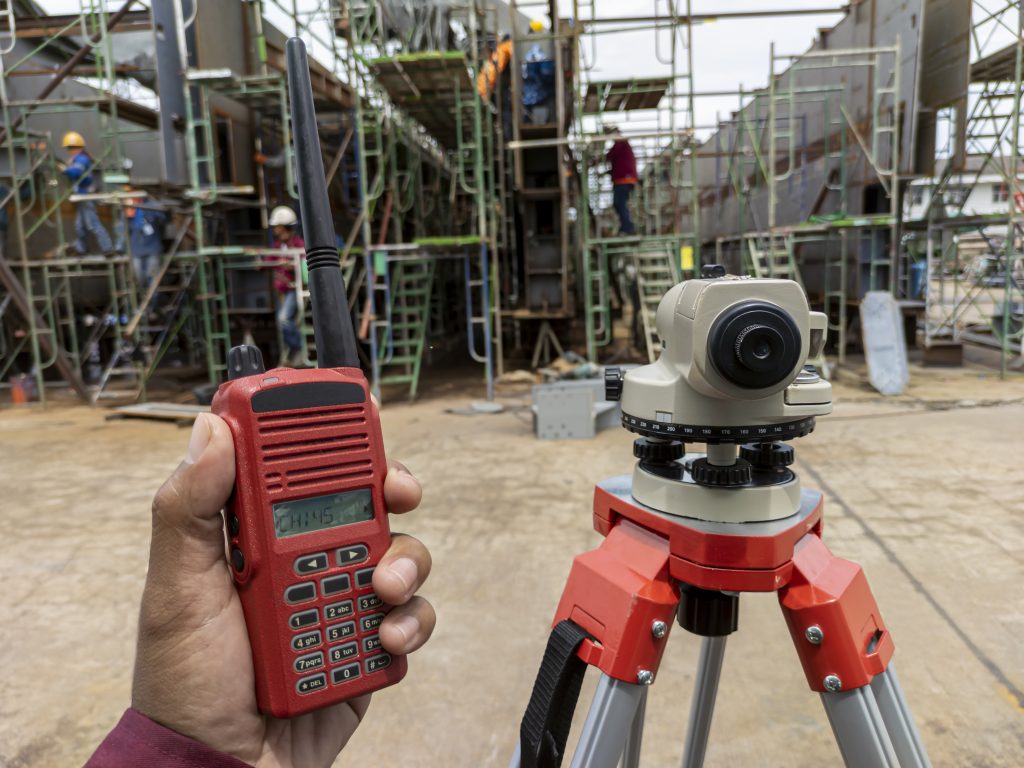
[193, 666]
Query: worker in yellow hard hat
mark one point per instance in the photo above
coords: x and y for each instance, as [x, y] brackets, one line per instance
[79, 170]
[536, 26]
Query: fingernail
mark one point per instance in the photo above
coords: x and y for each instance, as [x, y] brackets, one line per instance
[199, 440]
[405, 571]
[407, 626]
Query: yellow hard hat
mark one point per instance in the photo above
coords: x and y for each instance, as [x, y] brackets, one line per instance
[536, 25]
[73, 139]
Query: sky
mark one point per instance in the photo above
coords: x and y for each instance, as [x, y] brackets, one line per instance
[727, 53]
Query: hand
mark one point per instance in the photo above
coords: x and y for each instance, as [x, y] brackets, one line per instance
[193, 666]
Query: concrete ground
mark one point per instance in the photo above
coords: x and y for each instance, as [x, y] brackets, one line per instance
[923, 490]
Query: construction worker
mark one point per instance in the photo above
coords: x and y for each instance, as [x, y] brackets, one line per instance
[79, 170]
[283, 225]
[494, 76]
[193, 702]
[145, 240]
[622, 166]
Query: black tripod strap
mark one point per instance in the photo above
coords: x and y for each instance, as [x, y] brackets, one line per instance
[545, 726]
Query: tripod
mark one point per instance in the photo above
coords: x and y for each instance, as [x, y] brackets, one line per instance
[653, 568]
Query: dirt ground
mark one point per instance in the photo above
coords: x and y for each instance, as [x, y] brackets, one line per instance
[925, 491]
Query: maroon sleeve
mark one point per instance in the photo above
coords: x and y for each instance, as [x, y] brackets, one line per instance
[137, 741]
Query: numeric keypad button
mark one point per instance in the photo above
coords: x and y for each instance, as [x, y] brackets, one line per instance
[338, 610]
[308, 640]
[369, 602]
[311, 683]
[343, 674]
[304, 619]
[377, 663]
[370, 623]
[309, 662]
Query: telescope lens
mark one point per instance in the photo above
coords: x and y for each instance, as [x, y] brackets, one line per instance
[754, 345]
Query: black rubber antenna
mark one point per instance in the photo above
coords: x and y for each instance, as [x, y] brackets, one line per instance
[332, 323]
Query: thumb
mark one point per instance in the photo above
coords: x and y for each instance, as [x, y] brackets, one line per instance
[188, 530]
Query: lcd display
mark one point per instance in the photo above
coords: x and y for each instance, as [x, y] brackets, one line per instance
[319, 513]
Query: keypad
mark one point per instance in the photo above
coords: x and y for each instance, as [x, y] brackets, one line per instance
[335, 585]
[350, 626]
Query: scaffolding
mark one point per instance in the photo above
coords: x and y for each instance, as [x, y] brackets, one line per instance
[417, 66]
[974, 289]
[655, 114]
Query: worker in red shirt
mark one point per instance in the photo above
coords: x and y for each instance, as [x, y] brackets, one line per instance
[283, 224]
[622, 164]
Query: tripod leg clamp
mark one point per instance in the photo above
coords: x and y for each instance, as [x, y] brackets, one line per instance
[545, 726]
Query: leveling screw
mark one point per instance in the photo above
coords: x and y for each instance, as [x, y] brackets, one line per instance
[659, 629]
[646, 677]
[814, 634]
[833, 683]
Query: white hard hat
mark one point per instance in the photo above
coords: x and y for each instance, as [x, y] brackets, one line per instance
[283, 216]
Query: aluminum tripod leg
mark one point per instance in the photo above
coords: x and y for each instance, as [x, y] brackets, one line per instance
[705, 690]
[631, 752]
[609, 724]
[899, 723]
[859, 729]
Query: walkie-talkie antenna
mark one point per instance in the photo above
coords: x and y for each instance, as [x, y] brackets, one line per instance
[332, 323]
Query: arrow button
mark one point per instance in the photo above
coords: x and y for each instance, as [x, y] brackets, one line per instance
[353, 554]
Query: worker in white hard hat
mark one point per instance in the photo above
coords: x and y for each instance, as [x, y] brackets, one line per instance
[284, 225]
[79, 170]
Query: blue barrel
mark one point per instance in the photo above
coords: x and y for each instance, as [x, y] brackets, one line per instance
[918, 278]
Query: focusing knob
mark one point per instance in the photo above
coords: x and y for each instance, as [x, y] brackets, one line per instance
[712, 271]
[612, 383]
[658, 451]
[244, 360]
[768, 455]
[705, 473]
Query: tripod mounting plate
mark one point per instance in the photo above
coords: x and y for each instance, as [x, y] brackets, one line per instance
[747, 557]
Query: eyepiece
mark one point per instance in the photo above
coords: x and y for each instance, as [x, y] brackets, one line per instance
[754, 345]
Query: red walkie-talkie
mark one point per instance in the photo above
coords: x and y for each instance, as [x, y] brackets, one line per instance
[307, 520]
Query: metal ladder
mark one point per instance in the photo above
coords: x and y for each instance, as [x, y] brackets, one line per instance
[400, 357]
[656, 272]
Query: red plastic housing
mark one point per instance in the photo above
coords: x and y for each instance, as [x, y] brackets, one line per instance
[301, 434]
